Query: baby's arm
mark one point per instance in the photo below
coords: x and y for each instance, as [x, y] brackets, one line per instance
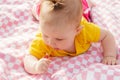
[109, 47]
[34, 66]
[29, 63]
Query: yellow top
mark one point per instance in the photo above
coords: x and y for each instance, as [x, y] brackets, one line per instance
[90, 33]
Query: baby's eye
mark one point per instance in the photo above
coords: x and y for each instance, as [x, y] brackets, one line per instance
[59, 39]
[45, 36]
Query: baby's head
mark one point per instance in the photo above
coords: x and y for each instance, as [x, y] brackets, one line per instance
[59, 22]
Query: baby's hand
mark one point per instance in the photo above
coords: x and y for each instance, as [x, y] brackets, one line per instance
[42, 65]
[110, 60]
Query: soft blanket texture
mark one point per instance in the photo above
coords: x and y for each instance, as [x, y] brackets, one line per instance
[18, 27]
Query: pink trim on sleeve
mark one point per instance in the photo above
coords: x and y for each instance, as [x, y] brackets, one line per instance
[86, 10]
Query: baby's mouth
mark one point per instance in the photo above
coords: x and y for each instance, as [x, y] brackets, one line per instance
[56, 48]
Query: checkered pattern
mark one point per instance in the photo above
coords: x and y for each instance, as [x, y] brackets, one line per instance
[108, 17]
[99, 72]
[18, 27]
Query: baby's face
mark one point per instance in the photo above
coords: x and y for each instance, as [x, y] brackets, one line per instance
[59, 38]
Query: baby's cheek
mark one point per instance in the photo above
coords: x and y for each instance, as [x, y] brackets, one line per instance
[45, 41]
[63, 46]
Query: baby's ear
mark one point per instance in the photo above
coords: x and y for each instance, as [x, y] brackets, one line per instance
[79, 29]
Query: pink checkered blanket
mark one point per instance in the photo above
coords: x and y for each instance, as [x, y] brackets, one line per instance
[18, 27]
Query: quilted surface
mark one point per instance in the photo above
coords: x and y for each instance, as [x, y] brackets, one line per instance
[18, 27]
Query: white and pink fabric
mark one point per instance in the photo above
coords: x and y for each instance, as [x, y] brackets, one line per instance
[18, 28]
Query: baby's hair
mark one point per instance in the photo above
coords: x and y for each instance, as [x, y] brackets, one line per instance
[59, 11]
[57, 4]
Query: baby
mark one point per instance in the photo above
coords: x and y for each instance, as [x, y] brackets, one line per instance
[64, 31]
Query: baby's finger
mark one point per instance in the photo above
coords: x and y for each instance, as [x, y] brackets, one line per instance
[45, 67]
[47, 61]
[108, 62]
[48, 56]
[113, 63]
[104, 61]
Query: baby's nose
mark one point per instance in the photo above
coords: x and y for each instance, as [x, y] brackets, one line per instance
[52, 43]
